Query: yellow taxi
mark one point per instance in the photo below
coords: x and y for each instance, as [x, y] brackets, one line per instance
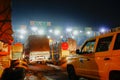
[97, 59]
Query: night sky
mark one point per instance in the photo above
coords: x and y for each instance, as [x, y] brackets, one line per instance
[85, 13]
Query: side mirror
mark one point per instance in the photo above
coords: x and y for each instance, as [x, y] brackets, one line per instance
[77, 51]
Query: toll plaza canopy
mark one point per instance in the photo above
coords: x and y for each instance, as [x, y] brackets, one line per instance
[5, 21]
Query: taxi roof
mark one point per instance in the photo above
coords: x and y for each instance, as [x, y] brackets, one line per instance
[108, 33]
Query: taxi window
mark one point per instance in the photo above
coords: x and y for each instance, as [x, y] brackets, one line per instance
[88, 47]
[117, 42]
[103, 44]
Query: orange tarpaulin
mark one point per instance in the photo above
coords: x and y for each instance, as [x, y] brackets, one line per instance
[5, 21]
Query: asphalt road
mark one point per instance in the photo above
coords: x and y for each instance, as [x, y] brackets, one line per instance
[48, 72]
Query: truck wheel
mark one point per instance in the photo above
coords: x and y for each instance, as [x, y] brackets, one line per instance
[71, 73]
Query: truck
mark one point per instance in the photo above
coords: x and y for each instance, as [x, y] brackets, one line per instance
[60, 50]
[37, 48]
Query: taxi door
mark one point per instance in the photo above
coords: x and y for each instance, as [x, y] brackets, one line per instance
[88, 58]
[103, 55]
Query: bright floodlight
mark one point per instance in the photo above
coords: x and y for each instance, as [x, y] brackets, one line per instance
[48, 36]
[80, 31]
[41, 32]
[61, 36]
[88, 32]
[68, 29]
[57, 32]
[102, 30]
[22, 31]
[50, 30]
[75, 32]
[34, 28]
[21, 37]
